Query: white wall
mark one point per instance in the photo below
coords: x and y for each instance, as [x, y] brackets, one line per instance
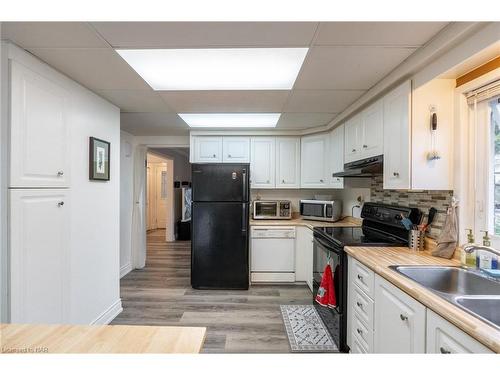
[126, 200]
[95, 208]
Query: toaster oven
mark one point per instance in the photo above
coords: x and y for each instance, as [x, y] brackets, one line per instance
[269, 209]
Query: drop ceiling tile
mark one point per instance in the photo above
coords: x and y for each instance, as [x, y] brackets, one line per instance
[321, 100]
[304, 120]
[52, 34]
[377, 33]
[354, 68]
[225, 101]
[153, 124]
[93, 67]
[206, 34]
[136, 100]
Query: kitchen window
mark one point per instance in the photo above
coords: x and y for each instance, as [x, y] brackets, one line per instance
[484, 117]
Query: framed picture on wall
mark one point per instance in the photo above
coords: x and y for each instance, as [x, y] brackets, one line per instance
[99, 162]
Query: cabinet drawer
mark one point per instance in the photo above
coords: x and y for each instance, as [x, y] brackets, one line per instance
[364, 278]
[362, 334]
[358, 348]
[363, 307]
[443, 337]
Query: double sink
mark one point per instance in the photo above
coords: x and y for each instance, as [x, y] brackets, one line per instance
[470, 290]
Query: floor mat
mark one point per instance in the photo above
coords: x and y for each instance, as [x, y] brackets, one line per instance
[305, 330]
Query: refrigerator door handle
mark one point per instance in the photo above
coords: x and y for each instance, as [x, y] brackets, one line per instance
[244, 219]
[244, 175]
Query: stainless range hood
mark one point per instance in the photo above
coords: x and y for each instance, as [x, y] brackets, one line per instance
[369, 167]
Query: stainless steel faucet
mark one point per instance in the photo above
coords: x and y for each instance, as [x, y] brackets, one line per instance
[471, 248]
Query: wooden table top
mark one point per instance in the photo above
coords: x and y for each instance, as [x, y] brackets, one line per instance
[29, 338]
[380, 258]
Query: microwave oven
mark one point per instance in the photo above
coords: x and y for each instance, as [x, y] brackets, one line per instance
[281, 210]
[320, 210]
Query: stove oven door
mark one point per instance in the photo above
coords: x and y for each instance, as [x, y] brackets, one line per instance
[335, 319]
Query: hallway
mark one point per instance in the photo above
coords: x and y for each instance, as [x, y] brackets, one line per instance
[237, 321]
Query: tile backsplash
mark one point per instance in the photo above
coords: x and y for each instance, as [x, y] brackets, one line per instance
[423, 199]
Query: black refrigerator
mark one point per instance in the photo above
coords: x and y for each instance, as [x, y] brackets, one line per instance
[220, 215]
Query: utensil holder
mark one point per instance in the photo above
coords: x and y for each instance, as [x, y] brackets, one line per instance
[416, 240]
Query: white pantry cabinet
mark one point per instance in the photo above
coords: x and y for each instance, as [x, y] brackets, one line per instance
[397, 138]
[443, 337]
[206, 149]
[337, 156]
[287, 162]
[39, 131]
[314, 158]
[40, 258]
[262, 162]
[399, 320]
[236, 149]
[304, 256]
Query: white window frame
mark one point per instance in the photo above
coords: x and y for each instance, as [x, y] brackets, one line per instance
[473, 183]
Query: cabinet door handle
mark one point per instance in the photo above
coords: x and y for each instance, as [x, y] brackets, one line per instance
[360, 305]
[60, 173]
[60, 204]
[267, 181]
[321, 181]
[403, 317]
[228, 155]
[444, 351]
[282, 181]
[359, 331]
[396, 174]
[365, 146]
[353, 150]
[360, 277]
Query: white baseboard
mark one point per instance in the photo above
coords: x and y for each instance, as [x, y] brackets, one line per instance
[125, 269]
[107, 316]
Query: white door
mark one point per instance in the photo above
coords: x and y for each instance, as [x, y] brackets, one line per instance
[161, 195]
[207, 149]
[150, 199]
[352, 143]
[372, 130]
[39, 131]
[397, 133]
[336, 156]
[314, 161]
[399, 320]
[262, 162]
[40, 256]
[288, 162]
[236, 149]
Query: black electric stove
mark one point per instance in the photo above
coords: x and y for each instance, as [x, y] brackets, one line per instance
[382, 226]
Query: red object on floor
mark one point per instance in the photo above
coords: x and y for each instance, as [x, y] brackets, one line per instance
[326, 292]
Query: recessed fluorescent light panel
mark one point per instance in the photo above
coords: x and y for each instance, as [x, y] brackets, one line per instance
[231, 120]
[217, 68]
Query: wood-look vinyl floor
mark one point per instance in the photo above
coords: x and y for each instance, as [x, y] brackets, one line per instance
[237, 321]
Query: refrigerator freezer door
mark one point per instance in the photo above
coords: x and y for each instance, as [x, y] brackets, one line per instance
[219, 247]
[220, 182]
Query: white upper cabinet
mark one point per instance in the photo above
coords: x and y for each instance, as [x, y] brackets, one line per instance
[39, 130]
[287, 162]
[262, 162]
[207, 149]
[236, 149]
[337, 156]
[39, 256]
[314, 171]
[399, 320]
[372, 130]
[397, 141]
[353, 134]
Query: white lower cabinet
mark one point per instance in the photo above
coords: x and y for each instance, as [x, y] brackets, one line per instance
[304, 256]
[443, 337]
[399, 320]
[39, 256]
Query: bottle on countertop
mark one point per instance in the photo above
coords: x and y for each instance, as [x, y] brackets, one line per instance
[484, 259]
[469, 259]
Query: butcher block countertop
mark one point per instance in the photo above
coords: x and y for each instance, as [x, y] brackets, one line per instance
[29, 338]
[380, 258]
[347, 221]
